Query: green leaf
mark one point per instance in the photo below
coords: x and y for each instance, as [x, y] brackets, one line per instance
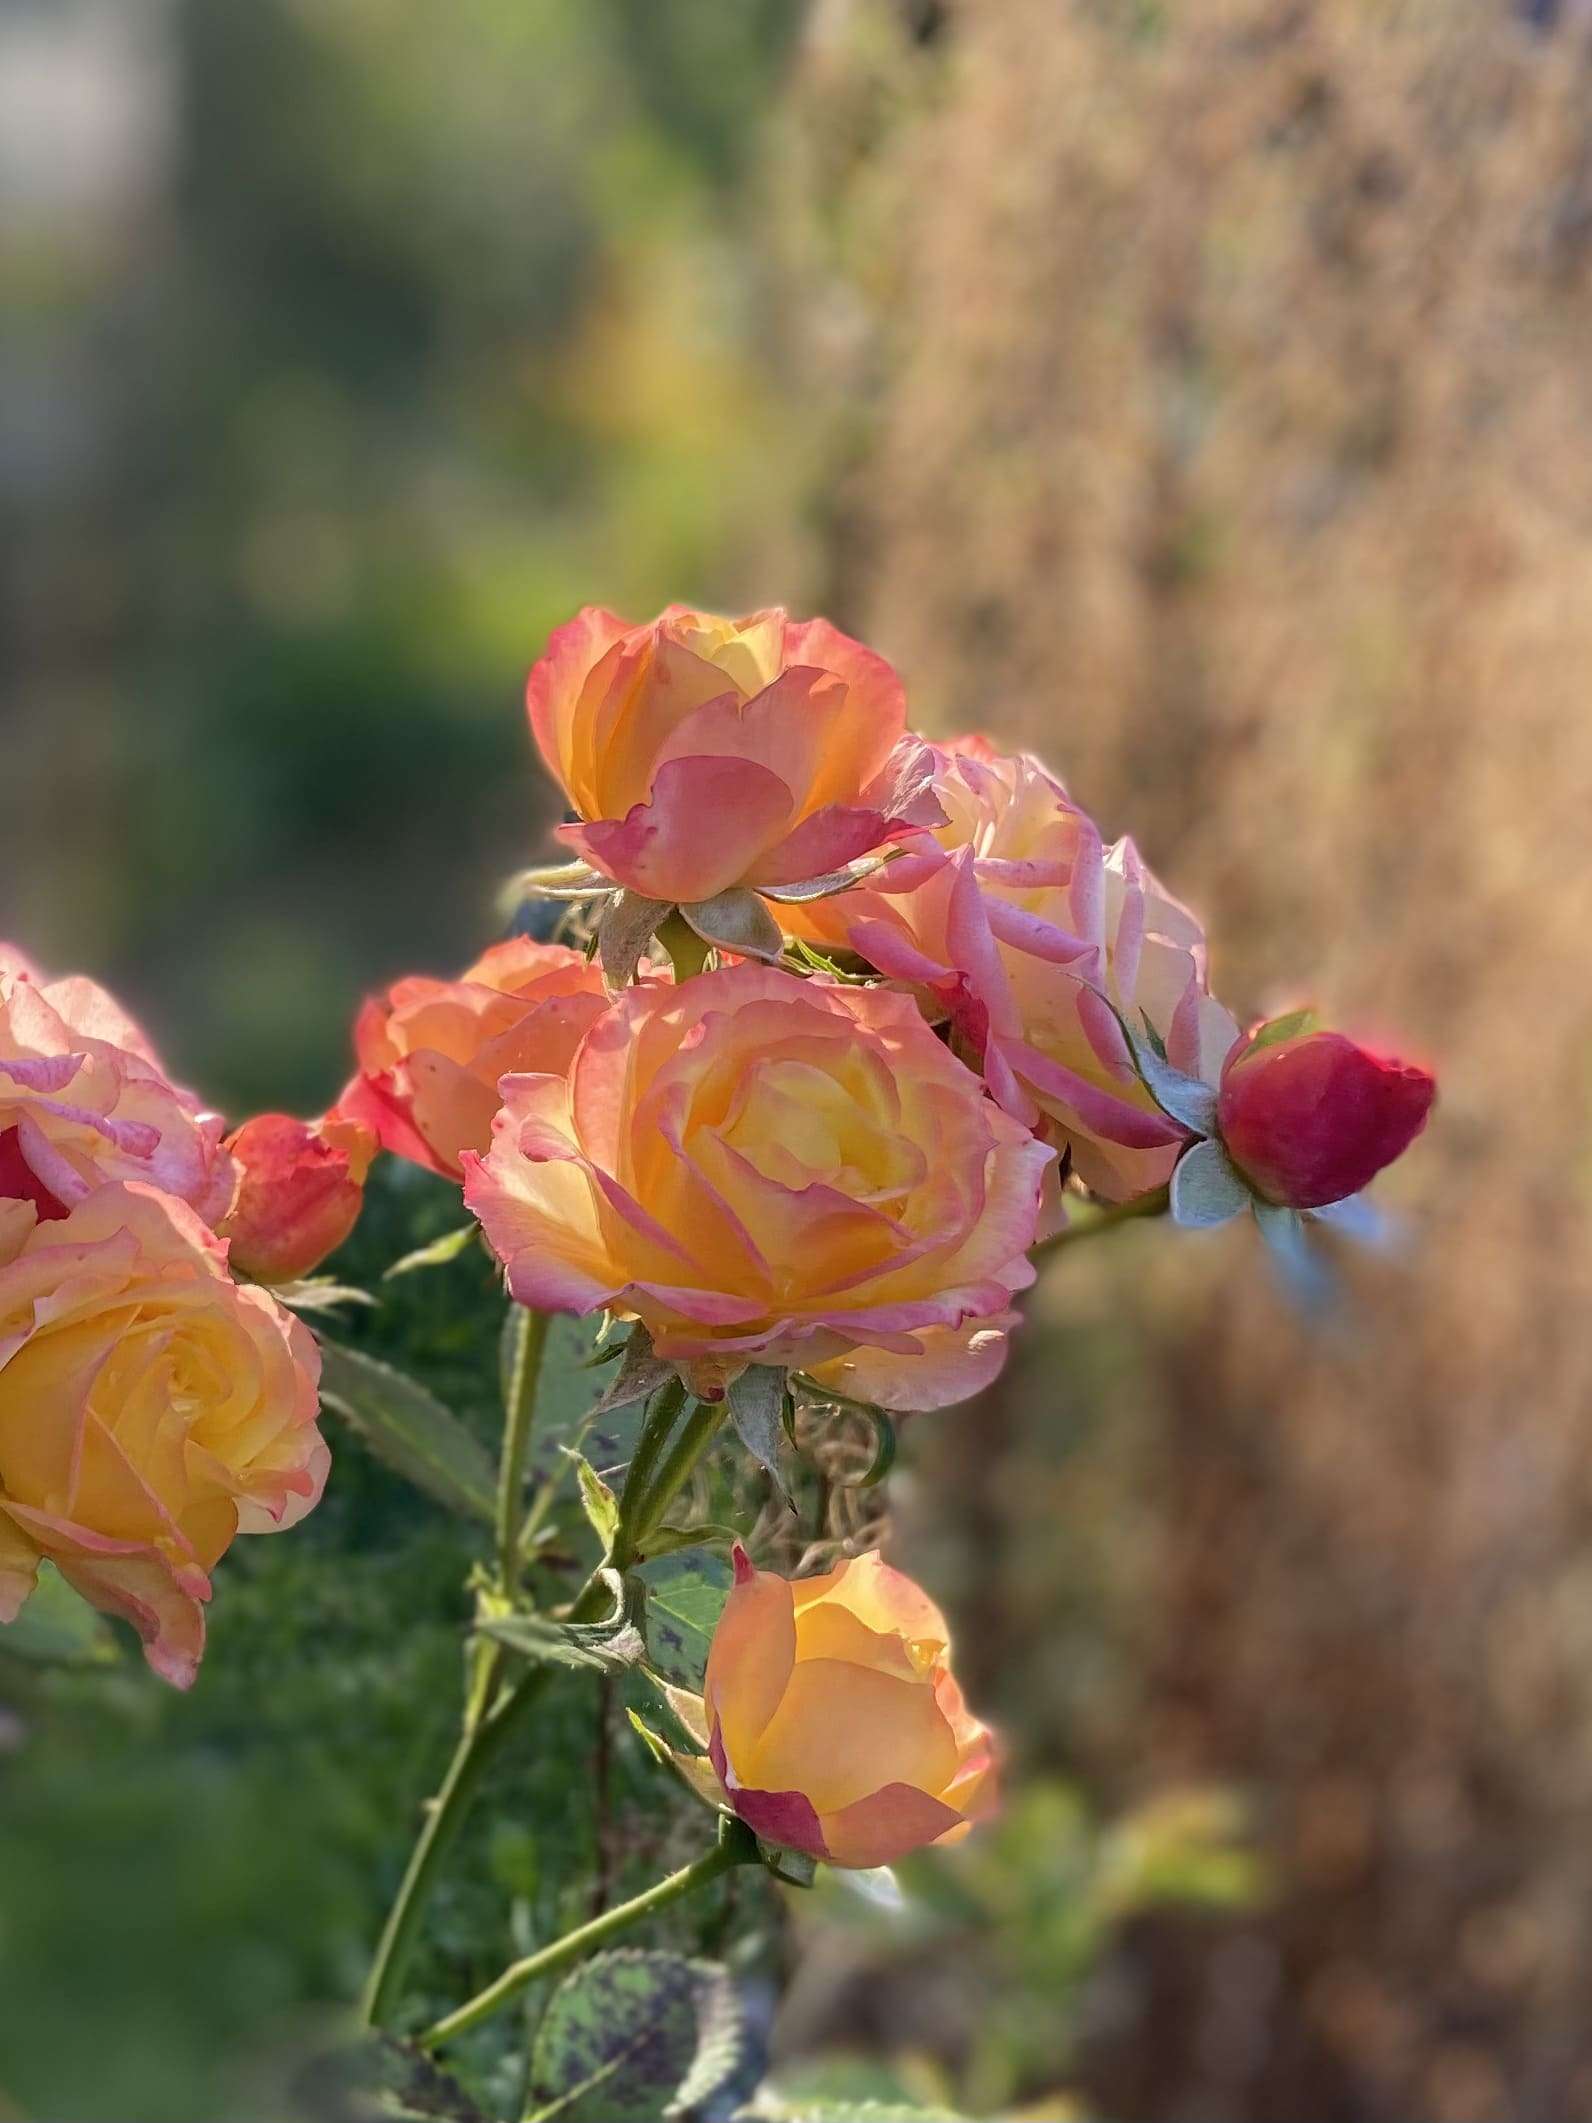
[436, 1255]
[407, 1427]
[1289, 1026]
[568, 1389]
[607, 1646]
[319, 1293]
[637, 2037]
[670, 1540]
[685, 1597]
[58, 1628]
[598, 1501]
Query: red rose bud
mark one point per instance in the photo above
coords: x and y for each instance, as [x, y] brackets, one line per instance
[303, 1183]
[1309, 1119]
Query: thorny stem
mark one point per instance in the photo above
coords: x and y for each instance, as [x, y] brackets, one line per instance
[479, 1746]
[666, 1406]
[732, 1850]
[486, 1733]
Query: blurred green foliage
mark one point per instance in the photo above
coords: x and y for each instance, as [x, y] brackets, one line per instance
[426, 327]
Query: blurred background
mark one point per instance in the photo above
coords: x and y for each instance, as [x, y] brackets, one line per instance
[1196, 390]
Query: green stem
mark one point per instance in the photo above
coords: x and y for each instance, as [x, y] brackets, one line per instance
[575, 1945]
[479, 1745]
[530, 1339]
[687, 1449]
[1155, 1203]
[687, 952]
[484, 1737]
[666, 1406]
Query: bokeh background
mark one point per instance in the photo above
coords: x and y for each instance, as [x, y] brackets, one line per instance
[1197, 390]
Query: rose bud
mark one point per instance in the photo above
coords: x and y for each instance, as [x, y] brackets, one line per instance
[151, 1409]
[830, 1719]
[1309, 1119]
[85, 1101]
[431, 1051]
[701, 753]
[300, 1194]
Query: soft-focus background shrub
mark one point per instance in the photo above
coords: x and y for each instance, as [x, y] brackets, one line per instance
[1197, 391]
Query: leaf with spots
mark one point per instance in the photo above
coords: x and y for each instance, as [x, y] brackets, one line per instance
[686, 1592]
[638, 2037]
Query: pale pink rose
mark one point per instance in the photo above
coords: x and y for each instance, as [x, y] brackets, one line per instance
[769, 1170]
[1018, 923]
[150, 1410]
[703, 753]
[431, 1051]
[85, 1101]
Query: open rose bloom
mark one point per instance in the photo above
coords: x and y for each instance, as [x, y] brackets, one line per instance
[84, 1101]
[431, 1052]
[701, 753]
[1018, 922]
[830, 1720]
[773, 1171]
[150, 1410]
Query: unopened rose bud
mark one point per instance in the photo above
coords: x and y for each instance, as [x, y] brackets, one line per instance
[303, 1183]
[832, 1723]
[1309, 1119]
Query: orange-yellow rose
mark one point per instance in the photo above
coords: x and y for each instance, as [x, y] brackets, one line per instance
[431, 1051]
[301, 1189]
[767, 1170]
[150, 1409]
[703, 753]
[831, 1720]
[84, 1100]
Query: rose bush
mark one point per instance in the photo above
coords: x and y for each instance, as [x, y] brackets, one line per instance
[769, 1170]
[430, 1052]
[703, 753]
[84, 1101]
[1018, 922]
[150, 1410]
[830, 1719]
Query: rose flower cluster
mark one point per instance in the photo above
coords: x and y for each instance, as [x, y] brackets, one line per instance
[858, 1022]
[839, 1028]
[152, 1405]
